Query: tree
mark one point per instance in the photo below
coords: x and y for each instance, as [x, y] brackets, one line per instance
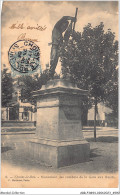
[112, 95]
[90, 58]
[29, 83]
[32, 83]
[7, 87]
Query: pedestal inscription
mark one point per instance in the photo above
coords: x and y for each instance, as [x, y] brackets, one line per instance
[71, 113]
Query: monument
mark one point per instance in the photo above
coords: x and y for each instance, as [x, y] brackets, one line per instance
[59, 139]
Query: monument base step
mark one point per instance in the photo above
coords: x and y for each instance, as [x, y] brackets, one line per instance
[17, 129]
[57, 153]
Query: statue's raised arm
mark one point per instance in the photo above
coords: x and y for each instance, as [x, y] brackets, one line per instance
[63, 20]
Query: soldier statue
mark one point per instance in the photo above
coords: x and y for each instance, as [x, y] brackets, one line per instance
[63, 25]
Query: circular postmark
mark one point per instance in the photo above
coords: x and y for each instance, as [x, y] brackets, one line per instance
[24, 56]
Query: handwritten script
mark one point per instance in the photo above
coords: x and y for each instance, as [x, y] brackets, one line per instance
[23, 37]
[22, 26]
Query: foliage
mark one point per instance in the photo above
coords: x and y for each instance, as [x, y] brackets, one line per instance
[32, 83]
[90, 57]
[7, 87]
[112, 93]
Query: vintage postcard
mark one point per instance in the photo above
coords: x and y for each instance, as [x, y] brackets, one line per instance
[59, 94]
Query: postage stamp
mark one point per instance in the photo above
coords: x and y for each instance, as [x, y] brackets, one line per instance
[24, 56]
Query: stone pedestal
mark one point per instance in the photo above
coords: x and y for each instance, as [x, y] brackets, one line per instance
[59, 139]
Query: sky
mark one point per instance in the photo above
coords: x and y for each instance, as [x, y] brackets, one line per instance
[46, 14]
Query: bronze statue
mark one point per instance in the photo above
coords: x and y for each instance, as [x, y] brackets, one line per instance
[57, 38]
